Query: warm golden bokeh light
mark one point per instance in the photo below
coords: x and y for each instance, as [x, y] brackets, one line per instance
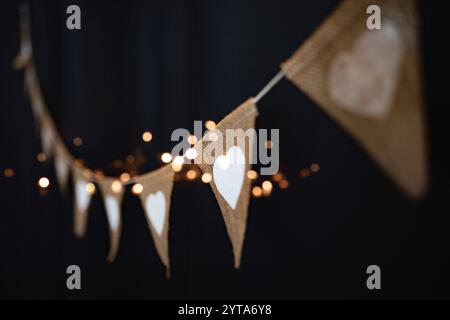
[8, 172]
[210, 125]
[283, 184]
[147, 136]
[192, 139]
[176, 167]
[166, 157]
[178, 160]
[267, 185]
[137, 188]
[304, 173]
[213, 137]
[125, 177]
[252, 174]
[116, 186]
[191, 174]
[90, 188]
[277, 177]
[206, 178]
[77, 141]
[41, 157]
[191, 153]
[257, 192]
[43, 182]
[269, 144]
[315, 167]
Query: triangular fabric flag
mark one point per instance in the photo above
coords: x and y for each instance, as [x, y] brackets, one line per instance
[112, 192]
[156, 198]
[229, 168]
[369, 82]
[47, 140]
[82, 199]
[61, 159]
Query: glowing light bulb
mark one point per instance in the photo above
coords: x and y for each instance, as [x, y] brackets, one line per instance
[210, 125]
[137, 188]
[283, 184]
[315, 167]
[206, 178]
[43, 182]
[252, 174]
[178, 160]
[257, 192]
[166, 157]
[191, 153]
[90, 188]
[147, 136]
[41, 157]
[116, 186]
[192, 139]
[77, 141]
[125, 177]
[191, 174]
[8, 172]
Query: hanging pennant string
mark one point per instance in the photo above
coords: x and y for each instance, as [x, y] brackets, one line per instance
[269, 86]
[24, 60]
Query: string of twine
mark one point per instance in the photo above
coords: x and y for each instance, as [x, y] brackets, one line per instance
[24, 60]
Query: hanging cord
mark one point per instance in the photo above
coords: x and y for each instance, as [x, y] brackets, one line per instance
[269, 86]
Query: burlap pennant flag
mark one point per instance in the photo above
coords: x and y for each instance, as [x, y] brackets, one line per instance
[61, 162]
[82, 199]
[228, 169]
[112, 192]
[369, 82]
[155, 198]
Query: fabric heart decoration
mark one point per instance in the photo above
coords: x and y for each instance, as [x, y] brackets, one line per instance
[364, 79]
[228, 173]
[156, 210]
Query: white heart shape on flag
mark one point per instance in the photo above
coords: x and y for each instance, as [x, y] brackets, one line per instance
[82, 196]
[155, 206]
[112, 211]
[228, 172]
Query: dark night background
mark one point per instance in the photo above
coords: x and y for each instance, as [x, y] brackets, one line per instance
[159, 65]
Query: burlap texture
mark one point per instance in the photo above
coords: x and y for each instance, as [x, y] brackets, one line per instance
[243, 117]
[397, 141]
[158, 180]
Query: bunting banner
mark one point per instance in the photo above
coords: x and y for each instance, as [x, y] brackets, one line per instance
[369, 82]
[155, 191]
[228, 170]
[112, 192]
[366, 80]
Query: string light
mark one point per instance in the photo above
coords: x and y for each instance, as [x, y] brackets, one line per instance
[192, 139]
[43, 182]
[147, 136]
[267, 188]
[252, 174]
[304, 173]
[177, 163]
[90, 188]
[137, 188]
[77, 141]
[191, 153]
[206, 178]
[191, 174]
[269, 144]
[283, 184]
[315, 168]
[277, 177]
[8, 172]
[210, 125]
[125, 177]
[257, 192]
[99, 174]
[116, 186]
[166, 157]
[41, 157]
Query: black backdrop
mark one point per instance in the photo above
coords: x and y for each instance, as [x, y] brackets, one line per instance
[159, 65]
